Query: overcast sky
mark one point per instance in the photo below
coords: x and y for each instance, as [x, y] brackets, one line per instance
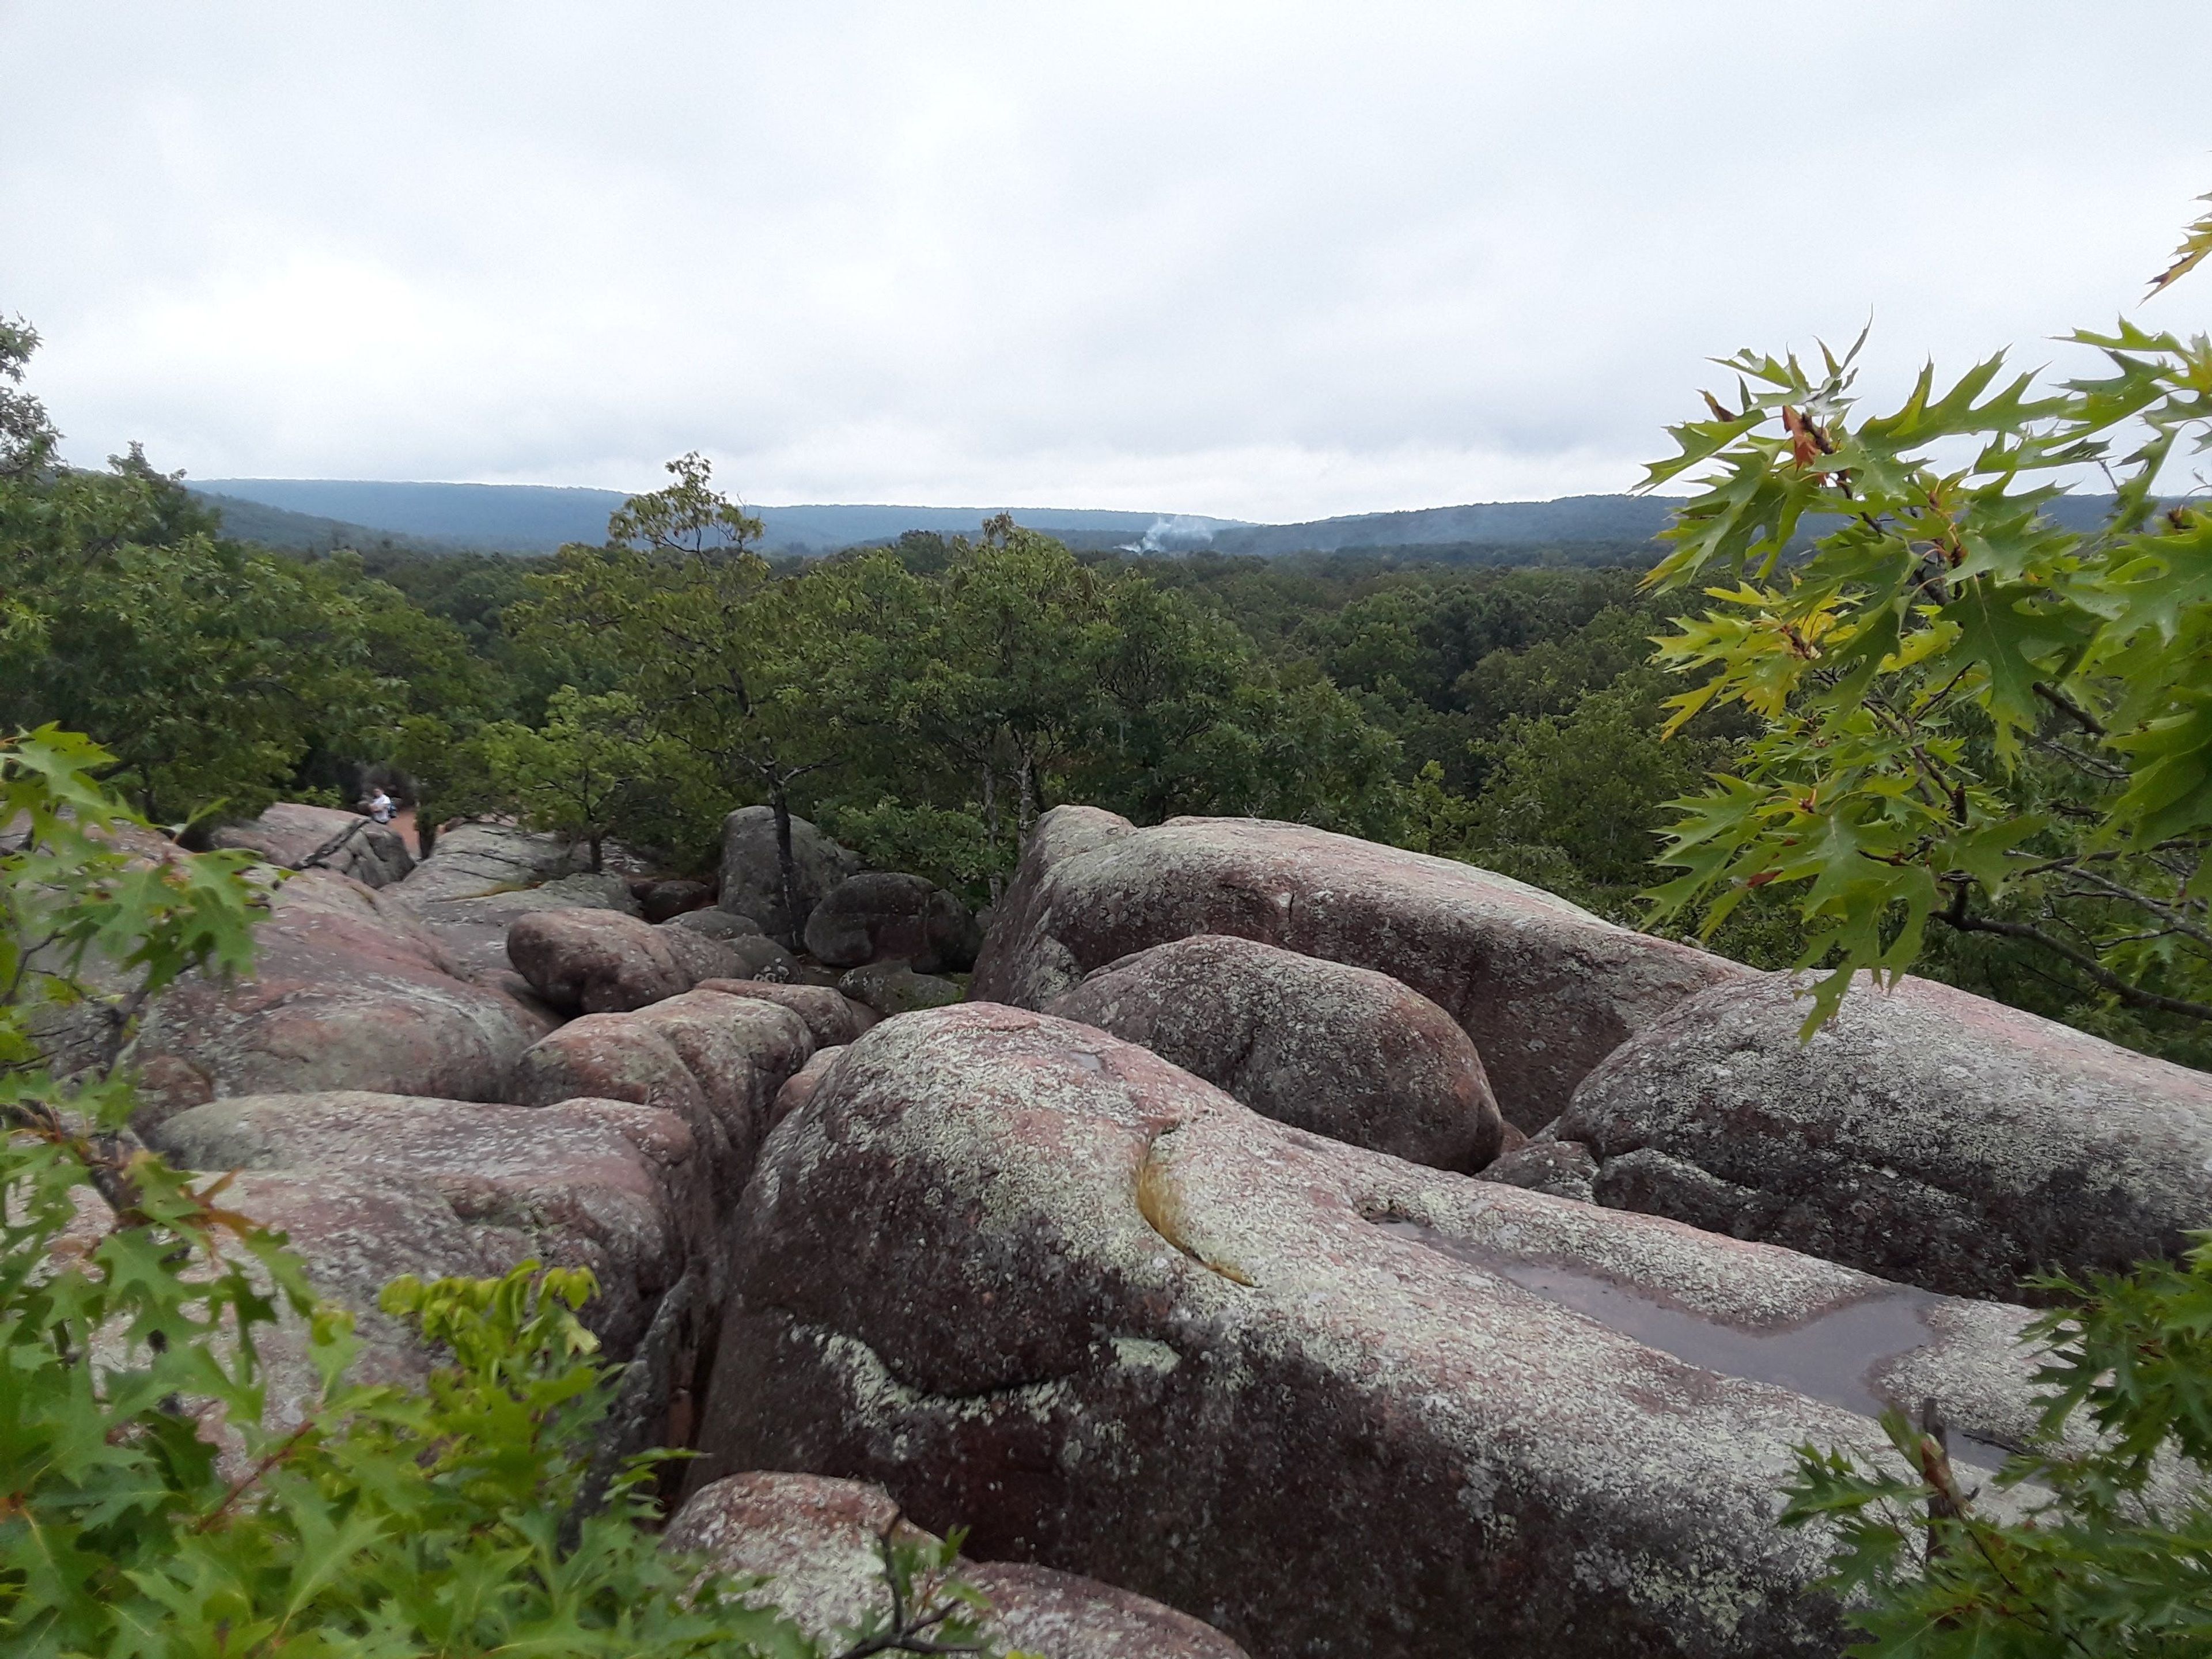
[1266, 261]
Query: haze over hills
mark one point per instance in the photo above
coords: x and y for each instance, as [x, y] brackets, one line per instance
[324, 512]
[538, 518]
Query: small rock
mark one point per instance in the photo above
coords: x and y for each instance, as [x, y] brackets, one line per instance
[831, 1017]
[717, 923]
[881, 916]
[800, 1087]
[664, 900]
[603, 962]
[1564, 1169]
[892, 987]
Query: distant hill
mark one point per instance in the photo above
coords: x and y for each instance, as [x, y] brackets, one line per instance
[321, 513]
[538, 518]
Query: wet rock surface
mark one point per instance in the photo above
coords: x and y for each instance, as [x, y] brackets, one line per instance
[1032, 1278]
[299, 836]
[1545, 989]
[752, 874]
[879, 916]
[816, 1541]
[599, 961]
[715, 1062]
[1345, 1052]
[1925, 1134]
[350, 991]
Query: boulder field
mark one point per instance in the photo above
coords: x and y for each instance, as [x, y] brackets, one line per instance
[1358, 1251]
[1035, 1279]
[1544, 988]
[300, 837]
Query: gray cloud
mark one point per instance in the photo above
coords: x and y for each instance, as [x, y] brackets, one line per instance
[1263, 261]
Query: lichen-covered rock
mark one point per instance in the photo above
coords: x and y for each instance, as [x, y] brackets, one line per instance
[1925, 1134]
[880, 916]
[1564, 1169]
[1545, 989]
[350, 991]
[299, 836]
[1345, 1052]
[604, 1184]
[715, 1060]
[832, 1017]
[892, 987]
[1036, 1279]
[370, 1186]
[605, 962]
[752, 875]
[816, 1541]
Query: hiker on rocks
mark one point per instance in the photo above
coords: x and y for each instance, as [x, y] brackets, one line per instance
[382, 807]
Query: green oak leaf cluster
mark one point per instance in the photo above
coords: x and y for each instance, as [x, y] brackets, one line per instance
[1968, 714]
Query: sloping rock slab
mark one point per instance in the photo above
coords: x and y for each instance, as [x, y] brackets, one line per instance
[1345, 1052]
[1925, 1134]
[816, 1541]
[350, 991]
[1544, 988]
[1034, 1278]
[603, 962]
[715, 1060]
[297, 837]
[473, 861]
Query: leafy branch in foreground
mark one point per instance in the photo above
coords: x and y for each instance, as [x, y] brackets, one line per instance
[1971, 713]
[2113, 1553]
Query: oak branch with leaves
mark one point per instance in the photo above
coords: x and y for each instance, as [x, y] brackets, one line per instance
[1972, 713]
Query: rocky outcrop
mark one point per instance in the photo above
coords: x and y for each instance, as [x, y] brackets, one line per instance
[1545, 989]
[477, 860]
[350, 991]
[1345, 1052]
[301, 837]
[883, 917]
[716, 1061]
[892, 987]
[1032, 1278]
[752, 875]
[370, 1186]
[1924, 1133]
[817, 1541]
[832, 1019]
[602, 962]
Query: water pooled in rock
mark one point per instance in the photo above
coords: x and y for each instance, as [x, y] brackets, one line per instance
[1831, 1358]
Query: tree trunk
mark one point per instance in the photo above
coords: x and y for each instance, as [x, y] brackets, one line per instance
[991, 827]
[595, 838]
[787, 864]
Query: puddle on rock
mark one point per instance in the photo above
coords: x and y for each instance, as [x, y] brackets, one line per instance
[1829, 1358]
